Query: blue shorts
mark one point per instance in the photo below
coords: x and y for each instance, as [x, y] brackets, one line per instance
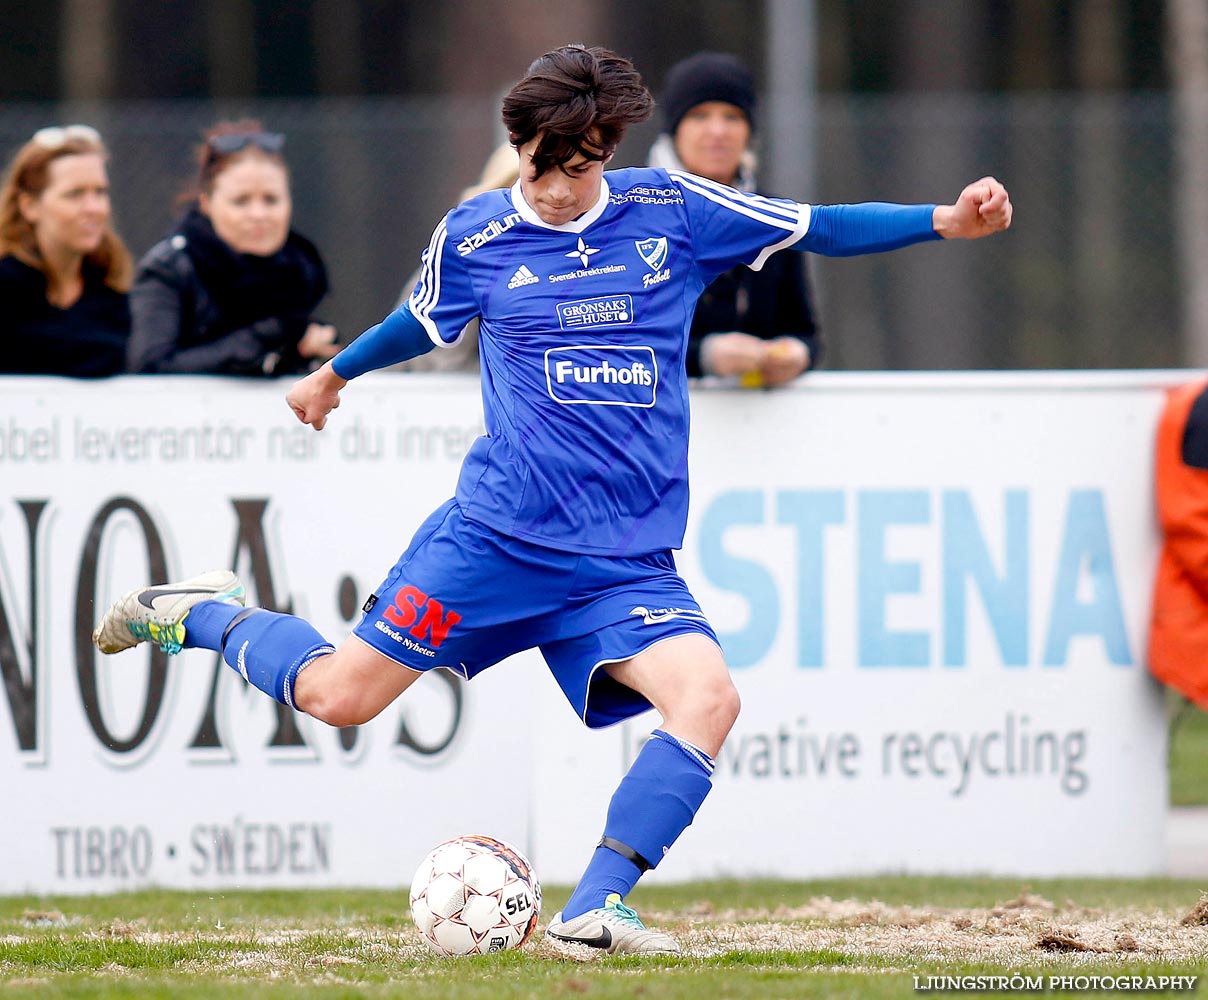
[463, 596]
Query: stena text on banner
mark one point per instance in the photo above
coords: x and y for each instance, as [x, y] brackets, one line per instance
[931, 590]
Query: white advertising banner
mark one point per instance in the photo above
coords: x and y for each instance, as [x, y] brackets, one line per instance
[932, 591]
[933, 595]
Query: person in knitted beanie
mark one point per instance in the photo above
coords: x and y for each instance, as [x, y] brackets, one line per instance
[756, 327]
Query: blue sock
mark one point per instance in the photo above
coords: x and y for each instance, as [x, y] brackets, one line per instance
[266, 648]
[655, 802]
[205, 623]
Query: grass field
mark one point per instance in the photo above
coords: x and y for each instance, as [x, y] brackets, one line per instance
[865, 938]
[1188, 755]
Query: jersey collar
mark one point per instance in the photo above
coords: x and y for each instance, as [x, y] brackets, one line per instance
[528, 214]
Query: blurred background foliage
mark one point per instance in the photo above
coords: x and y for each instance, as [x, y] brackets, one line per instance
[1087, 109]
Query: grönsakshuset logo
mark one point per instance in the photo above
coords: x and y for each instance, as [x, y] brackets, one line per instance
[607, 310]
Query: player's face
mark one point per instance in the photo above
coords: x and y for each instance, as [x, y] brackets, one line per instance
[72, 212]
[249, 205]
[562, 193]
[711, 139]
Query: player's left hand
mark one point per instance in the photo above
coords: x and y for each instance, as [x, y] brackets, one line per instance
[313, 398]
[984, 207]
[783, 360]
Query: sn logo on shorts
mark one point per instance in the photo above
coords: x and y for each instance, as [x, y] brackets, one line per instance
[424, 616]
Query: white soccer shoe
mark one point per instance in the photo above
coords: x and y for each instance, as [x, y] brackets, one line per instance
[157, 614]
[615, 928]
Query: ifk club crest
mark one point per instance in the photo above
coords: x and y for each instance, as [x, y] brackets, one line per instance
[653, 251]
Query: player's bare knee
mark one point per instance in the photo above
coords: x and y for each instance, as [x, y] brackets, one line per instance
[729, 704]
[716, 701]
[337, 708]
[339, 705]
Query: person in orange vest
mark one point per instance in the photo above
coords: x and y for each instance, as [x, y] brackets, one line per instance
[1178, 638]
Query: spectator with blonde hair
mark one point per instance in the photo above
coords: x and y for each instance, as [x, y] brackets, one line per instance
[64, 272]
[232, 289]
[501, 170]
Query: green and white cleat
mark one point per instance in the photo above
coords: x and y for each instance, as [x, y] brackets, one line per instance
[615, 928]
[157, 614]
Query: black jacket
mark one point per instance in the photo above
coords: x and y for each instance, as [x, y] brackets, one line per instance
[199, 306]
[772, 302]
[86, 340]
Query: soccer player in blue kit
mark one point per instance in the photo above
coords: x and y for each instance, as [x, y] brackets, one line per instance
[567, 510]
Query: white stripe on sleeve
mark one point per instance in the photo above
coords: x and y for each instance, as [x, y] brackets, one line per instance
[427, 289]
[782, 207]
[791, 216]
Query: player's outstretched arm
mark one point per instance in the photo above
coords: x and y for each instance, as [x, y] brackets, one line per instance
[983, 208]
[315, 396]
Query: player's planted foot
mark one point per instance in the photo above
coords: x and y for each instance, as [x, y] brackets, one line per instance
[157, 614]
[615, 928]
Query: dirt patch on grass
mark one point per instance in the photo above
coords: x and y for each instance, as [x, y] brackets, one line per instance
[1197, 916]
[1028, 929]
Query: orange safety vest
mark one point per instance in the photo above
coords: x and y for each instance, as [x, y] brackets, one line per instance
[1178, 637]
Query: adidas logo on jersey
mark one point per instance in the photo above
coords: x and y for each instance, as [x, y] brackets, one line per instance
[522, 277]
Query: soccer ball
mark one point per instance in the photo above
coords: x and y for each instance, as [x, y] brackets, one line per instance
[475, 894]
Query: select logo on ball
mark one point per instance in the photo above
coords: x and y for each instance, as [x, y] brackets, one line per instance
[475, 894]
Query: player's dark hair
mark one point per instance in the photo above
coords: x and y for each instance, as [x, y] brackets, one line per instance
[579, 100]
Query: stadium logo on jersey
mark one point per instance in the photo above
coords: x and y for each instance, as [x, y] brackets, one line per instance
[653, 251]
[603, 376]
[522, 277]
[496, 227]
[611, 310]
[656, 616]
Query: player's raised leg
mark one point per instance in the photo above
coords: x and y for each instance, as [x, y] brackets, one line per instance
[686, 680]
[282, 655]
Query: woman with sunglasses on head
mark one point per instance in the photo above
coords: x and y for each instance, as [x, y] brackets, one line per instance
[231, 290]
[64, 272]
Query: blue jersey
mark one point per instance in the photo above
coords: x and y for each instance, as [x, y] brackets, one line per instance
[583, 329]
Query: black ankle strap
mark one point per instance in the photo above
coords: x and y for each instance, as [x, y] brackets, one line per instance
[627, 852]
[242, 616]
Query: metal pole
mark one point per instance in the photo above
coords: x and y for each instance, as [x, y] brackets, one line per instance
[1187, 39]
[788, 141]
